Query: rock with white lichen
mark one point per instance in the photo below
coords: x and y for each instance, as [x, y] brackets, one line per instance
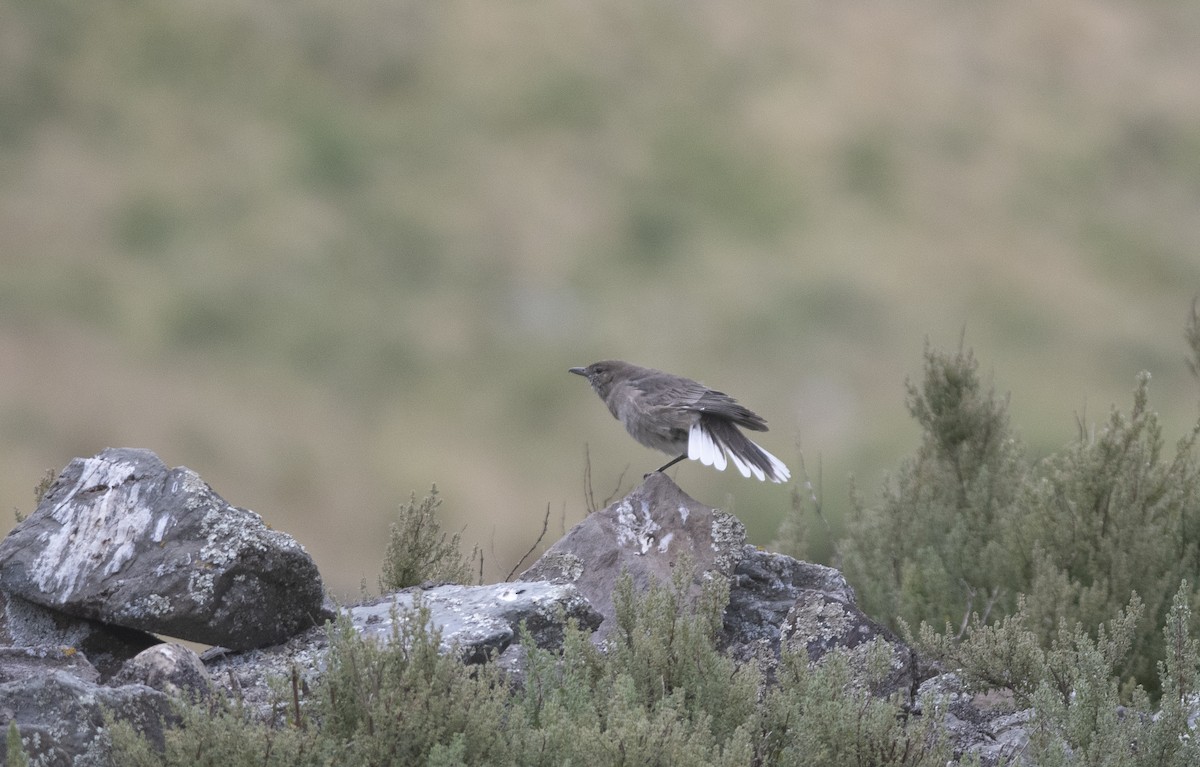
[645, 534]
[123, 539]
[62, 713]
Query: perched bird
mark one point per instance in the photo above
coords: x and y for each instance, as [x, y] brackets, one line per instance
[682, 417]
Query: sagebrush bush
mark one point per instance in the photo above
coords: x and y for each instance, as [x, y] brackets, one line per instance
[418, 551]
[937, 547]
[658, 693]
[970, 527]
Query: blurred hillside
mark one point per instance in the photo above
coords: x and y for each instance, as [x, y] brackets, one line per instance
[327, 254]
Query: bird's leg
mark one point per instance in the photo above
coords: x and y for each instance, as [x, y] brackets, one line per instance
[667, 465]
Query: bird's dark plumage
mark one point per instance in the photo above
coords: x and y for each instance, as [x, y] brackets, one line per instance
[682, 417]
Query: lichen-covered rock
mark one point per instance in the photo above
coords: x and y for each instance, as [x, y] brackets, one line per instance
[820, 623]
[645, 534]
[778, 602]
[481, 621]
[986, 727]
[60, 711]
[763, 590]
[120, 538]
[17, 663]
[475, 622]
[170, 668]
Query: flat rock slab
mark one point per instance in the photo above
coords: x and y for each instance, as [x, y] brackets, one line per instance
[476, 623]
[123, 539]
[481, 621]
[646, 534]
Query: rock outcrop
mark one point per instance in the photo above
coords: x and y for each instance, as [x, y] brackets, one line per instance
[645, 534]
[477, 623]
[122, 539]
[121, 548]
[60, 708]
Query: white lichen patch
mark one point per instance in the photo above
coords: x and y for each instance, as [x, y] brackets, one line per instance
[101, 519]
[200, 587]
[151, 605]
[224, 537]
[561, 565]
[160, 528]
[817, 621]
[637, 530]
[728, 537]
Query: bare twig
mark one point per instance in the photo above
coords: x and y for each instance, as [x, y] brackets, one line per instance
[588, 498]
[616, 490]
[987, 610]
[962, 629]
[299, 719]
[814, 493]
[545, 525]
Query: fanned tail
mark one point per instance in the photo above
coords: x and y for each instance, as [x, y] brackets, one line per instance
[714, 440]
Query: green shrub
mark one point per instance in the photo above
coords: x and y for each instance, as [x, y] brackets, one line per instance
[418, 551]
[1074, 686]
[937, 547]
[969, 526]
[659, 693]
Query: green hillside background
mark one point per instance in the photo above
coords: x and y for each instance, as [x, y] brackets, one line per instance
[327, 254]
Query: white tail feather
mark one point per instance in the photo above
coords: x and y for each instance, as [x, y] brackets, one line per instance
[779, 471]
[694, 439]
[703, 448]
[741, 465]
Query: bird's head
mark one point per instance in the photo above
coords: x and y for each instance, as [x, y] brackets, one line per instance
[600, 374]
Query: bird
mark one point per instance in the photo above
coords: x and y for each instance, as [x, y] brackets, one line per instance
[682, 417]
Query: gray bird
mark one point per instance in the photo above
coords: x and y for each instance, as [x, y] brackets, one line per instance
[683, 418]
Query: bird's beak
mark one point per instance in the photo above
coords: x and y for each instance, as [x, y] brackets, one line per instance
[578, 372]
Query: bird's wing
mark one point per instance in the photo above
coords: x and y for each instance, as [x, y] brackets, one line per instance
[701, 399]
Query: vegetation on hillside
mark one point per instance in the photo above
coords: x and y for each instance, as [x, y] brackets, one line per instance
[971, 531]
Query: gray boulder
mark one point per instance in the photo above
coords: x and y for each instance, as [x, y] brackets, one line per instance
[766, 587]
[645, 534]
[60, 711]
[480, 622]
[984, 726]
[122, 539]
[774, 600]
[476, 623]
[170, 668]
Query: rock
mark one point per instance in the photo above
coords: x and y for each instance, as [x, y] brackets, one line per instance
[763, 590]
[25, 624]
[645, 534]
[60, 711]
[170, 668]
[120, 538]
[982, 726]
[19, 663]
[777, 601]
[821, 623]
[476, 622]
